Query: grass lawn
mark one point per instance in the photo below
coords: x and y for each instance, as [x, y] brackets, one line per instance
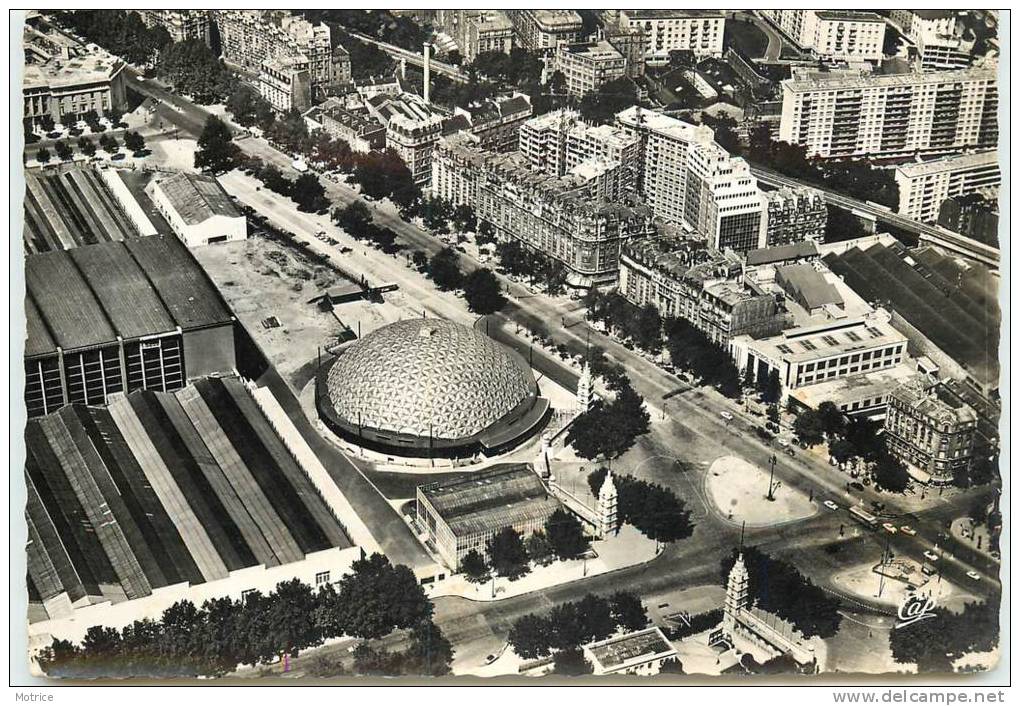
[745, 38]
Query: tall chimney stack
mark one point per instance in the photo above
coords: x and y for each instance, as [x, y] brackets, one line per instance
[426, 72]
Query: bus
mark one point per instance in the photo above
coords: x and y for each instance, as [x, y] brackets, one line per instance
[864, 517]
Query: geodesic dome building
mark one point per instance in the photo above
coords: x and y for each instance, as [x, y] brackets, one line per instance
[430, 387]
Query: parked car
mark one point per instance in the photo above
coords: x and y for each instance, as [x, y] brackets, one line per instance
[908, 530]
[783, 443]
[889, 527]
[726, 415]
[973, 575]
[931, 556]
[831, 505]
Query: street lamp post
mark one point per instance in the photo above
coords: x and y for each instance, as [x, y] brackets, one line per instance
[772, 472]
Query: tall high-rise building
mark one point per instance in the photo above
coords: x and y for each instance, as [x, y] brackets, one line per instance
[697, 31]
[923, 186]
[843, 35]
[891, 115]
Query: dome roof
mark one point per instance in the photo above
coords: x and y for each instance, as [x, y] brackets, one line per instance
[411, 374]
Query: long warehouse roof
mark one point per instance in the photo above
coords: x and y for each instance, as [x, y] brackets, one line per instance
[92, 295]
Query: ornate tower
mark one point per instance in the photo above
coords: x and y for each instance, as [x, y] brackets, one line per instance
[606, 507]
[585, 389]
[736, 593]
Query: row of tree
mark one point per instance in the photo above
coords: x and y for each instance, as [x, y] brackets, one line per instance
[64, 151]
[652, 509]
[936, 643]
[121, 32]
[856, 437]
[692, 350]
[569, 625]
[561, 537]
[518, 259]
[482, 290]
[642, 325]
[372, 600]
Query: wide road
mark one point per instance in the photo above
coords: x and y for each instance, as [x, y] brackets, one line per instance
[934, 234]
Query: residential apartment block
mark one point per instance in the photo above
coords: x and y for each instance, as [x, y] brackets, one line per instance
[355, 127]
[477, 31]
[938, 37]
[930, 430]
[588, 65]
[683, 278]
[286, 84]
[412, 130]
[793, 215]
[544, 30]
[249, 38]
[925, 185]
[723, 203]
[840, 35]
[697, 31]
[575, 218]
[495, 122]
[891, 115]
[180, 24]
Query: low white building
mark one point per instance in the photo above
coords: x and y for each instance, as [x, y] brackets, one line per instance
[642, 652]
[197, 208]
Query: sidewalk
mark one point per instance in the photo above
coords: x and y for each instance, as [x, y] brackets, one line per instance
[628, 548]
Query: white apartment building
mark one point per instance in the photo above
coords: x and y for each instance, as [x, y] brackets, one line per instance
[925, 185]
[890, 115]
[666, 144]
[723, 203]
[698, 31]
[835, 35]
[938, 36]
[557, 142]
[832, 350]
[545, 29]
[587, 66]
[285, 83]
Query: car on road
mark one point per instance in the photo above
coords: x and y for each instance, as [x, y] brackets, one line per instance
[973, 575]
[489, 659]
[931, 556]
[889, 527]
[831, 505]
[726, 415]
[783, 443]
[856, 486]
[908, 530]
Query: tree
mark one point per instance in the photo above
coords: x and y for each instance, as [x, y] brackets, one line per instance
[647, 329]
[430, 653]
[63, 150]
[529, 636]
[841, 450]
[444, 269]
[419, 259]
[464, 218]
[134, 141]
[608, 430]
[354, 218]
[216, 152]
[109, 143]
[772, 389]
[808, 427]
[891, 474]
[377, 597]
[42, 155]
[46, 123]
[935, 643]
[309, 194]
[474, 567]
[566, 536]
[653, 510]
[832, 419]
[571, 663]
[628, 611]
[274, 180]
[595, 617]
[87, 146]
[507, 554]
[483, 292]
[248, 108]
[539, 549]
[194, 70]
[602, 104]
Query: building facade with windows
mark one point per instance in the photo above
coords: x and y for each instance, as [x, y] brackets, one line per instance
[723, 203]
[930, 430]
[816, 353]
[938, 37]
[588, 65]
[923, 186]
[840, 35]
[576, 218]
[285, 83]
[181, 25]
[544, 30]
[478, 31]
[891, 115]
[198, 209]
[793, 215]
[412, 130]
[697, 31]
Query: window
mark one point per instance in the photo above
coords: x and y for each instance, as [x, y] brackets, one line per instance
[321, 577]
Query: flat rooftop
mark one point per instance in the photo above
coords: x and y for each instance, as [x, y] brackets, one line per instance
[632, 648]
[672, 14]
[957, 163]
[830, 339]
[92, 295]
[664, 125]
[913, 79]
